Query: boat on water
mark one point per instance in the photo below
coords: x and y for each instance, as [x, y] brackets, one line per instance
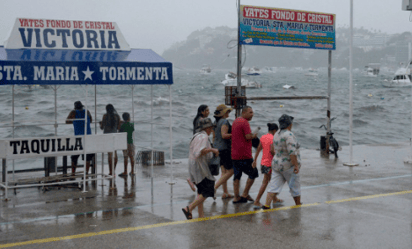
[372, 69]
[205, 69]
[312, 72]
[231, 80]
[402, 78]
[253, 71]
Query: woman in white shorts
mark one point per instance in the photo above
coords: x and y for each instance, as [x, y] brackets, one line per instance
[285, 163]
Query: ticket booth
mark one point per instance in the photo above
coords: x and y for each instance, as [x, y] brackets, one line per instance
[51, 53]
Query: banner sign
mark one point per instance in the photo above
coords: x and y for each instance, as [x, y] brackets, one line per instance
[93, 73]
[30, 33]
[286, 28]
[64, 145]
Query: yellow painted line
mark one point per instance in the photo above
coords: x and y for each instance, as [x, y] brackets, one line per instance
[369, 197]
[130, 229]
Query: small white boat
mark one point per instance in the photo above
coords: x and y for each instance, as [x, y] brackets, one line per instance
[288, 87]
[253, 71]
[205, 69]
[231, 80]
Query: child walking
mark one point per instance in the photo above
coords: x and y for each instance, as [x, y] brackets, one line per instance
[129, 153]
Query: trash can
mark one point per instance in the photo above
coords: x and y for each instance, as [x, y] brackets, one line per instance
[145, 158]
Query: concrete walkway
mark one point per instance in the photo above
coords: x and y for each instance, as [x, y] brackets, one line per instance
[368, 206]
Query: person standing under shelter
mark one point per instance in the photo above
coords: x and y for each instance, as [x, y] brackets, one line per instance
[242, 154]
[111, 124]
[129, 153]
[200, 152]
[78, 126]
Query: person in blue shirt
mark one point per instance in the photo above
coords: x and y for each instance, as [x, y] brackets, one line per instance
[78, 125]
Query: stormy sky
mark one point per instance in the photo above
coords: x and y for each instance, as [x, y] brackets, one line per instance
[157, 24]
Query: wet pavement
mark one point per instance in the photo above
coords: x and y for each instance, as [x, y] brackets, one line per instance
[367, 206]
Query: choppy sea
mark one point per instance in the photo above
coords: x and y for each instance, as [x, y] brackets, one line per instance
[380, 114]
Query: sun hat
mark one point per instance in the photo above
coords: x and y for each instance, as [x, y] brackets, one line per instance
[78, 105]
[284, 121]
[221, 110]
[205, 123]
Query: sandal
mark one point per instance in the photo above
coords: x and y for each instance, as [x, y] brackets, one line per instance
[241, 200]
[187, 213]
[250, 198]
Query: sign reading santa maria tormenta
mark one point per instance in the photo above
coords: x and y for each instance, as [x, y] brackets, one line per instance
[31, 33]
[286, 28]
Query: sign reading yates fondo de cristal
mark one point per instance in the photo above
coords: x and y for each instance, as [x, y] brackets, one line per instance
[66, 34]
[286, 28]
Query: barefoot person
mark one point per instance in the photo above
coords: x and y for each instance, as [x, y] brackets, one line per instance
[242, 154]
[285, 163]
[200, 153]
[223, 142]
[110, 124]
[129, 153]
[265, 145]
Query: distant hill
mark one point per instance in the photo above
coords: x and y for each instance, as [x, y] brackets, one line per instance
[217, 48]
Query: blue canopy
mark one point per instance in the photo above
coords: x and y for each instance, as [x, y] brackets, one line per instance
[59, 67]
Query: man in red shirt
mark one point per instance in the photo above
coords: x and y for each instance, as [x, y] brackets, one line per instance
[242, 154]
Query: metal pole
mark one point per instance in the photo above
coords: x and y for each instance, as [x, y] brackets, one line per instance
[329, 87]
[134, 133]
[350, 89]
[151, 136]
[84, 142]
[171, 135]
[55, 110]
[12, 124]
[328, 102]
[55, 124]
[239, 61]
[95, 113]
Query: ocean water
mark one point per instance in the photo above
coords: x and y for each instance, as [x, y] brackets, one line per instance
[380, 114]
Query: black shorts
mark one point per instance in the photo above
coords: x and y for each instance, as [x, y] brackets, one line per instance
[245, 166]
[265, 170]
[206, 188]
[226, 159]
[89, 157]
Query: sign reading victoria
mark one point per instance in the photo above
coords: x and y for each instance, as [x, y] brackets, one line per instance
[66, 34]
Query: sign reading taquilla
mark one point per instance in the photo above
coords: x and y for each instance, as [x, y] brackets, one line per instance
[29, 33]
[65, 145]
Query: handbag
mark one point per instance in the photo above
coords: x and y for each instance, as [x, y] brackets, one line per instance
[214, 165]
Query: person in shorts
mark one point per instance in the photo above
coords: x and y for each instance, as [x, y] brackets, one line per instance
[129, 153]
[265, 145]
[285, 163]
[78, 126]
[242, 154]
[200, 152]
[223, 143]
